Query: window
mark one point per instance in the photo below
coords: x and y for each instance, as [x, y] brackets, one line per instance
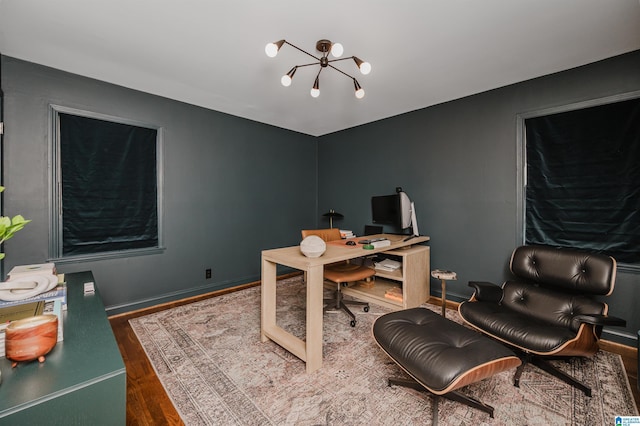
[582, 179]
[106, 192]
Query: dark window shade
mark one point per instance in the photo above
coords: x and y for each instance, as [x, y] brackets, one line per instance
[583, 180]
[109, 186]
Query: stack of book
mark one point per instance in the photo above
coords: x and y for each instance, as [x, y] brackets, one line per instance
[53, 301]
[394, 293]
[345, 233]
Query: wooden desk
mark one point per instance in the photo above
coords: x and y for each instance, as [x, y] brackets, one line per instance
[309, 350]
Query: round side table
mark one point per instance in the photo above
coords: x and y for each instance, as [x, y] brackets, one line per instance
[443, 276]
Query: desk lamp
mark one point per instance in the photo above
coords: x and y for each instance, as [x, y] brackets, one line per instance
[331, 214]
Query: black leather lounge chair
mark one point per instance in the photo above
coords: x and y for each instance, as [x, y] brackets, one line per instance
[548, 310]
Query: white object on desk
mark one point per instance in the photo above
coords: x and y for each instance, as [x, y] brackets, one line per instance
[313, 246]
[381, 243]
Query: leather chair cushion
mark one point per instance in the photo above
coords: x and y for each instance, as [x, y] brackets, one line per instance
[347, 272]
[437, 351]
[547, 307]
[525, 332]
[328, 234]
[568, 269]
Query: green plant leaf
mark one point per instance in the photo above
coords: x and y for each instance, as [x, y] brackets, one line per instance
[8, 227]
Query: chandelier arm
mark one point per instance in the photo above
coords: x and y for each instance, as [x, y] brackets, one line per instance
[342, 59]
[340, 71]
[306, 65]
[303, 51]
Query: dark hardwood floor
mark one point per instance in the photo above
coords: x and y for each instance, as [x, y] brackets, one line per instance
[148, 403]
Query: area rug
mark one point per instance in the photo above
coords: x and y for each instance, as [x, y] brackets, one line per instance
[209, 357]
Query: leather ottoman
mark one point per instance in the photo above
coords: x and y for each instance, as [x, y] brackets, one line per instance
[440, 355]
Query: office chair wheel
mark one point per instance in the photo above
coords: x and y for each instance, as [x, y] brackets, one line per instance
[353, 323]
[366, 308]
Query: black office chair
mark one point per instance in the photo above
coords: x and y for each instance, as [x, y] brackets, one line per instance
[341, 273]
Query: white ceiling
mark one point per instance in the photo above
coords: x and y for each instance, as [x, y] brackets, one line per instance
[211, 52]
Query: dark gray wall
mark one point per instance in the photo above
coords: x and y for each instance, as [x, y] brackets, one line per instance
[232, 187]
[458, 161]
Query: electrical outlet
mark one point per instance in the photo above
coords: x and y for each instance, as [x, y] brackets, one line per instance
[207, 274]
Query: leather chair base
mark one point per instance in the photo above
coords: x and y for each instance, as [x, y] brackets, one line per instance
[543, 364]
[338, 303]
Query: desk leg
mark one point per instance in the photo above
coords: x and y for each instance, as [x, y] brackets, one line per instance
[315, 282]
[268, 298]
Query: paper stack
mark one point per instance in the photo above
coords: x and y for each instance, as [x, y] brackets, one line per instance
[388, 265]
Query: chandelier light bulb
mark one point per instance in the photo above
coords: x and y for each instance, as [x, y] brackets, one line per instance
[365, 68]
[315, 90]
[271, 50]
[337, 50]
[285, 80]
[359, 90]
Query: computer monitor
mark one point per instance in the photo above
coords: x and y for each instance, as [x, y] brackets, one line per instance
[396, 209]
[385, 209]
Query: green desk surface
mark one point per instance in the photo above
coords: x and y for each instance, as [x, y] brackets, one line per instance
[87, 356]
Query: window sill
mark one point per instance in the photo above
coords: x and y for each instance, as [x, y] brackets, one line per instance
[106, 255]
[629, 267]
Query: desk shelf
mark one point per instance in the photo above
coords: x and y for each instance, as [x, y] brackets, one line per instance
[412, 277]
[376, 294]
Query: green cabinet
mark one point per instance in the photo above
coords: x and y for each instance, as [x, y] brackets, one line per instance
[82, 381]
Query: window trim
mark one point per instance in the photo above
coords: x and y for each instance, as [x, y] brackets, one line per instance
[521, 159]
[55, 191]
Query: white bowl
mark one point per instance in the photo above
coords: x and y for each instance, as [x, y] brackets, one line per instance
[313, 246]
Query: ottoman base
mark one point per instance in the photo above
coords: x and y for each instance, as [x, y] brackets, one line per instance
[452, 395]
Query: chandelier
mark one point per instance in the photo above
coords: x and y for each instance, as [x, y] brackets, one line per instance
[324, 47]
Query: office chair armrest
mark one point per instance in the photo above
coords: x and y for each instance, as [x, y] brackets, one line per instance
[601, 320]
[486, 291]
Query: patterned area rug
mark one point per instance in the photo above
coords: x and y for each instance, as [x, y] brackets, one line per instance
[216, 370]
